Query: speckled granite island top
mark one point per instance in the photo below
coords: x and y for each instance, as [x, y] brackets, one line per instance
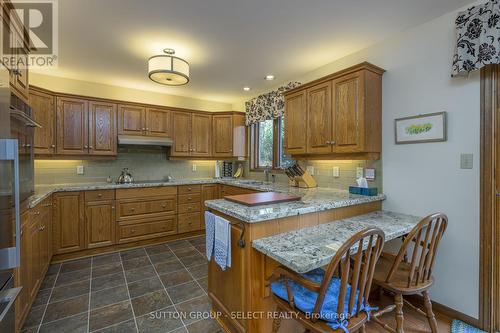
[306, 249]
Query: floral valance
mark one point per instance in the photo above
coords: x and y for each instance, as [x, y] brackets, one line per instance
[270, 105]
[478, 38]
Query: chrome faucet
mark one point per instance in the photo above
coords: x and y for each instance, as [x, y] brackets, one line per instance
[273, 177]
[266, 174]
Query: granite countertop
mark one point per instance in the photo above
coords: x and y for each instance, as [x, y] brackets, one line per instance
[309, 248]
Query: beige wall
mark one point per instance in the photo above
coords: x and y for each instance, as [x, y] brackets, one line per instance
[92, 89]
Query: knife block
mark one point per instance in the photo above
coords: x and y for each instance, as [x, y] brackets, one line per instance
[304, 181]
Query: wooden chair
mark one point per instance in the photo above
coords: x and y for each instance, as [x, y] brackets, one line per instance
[356, 273]
[401, 276]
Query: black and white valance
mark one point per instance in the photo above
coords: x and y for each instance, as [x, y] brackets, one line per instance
[270, 105]
[478, 38]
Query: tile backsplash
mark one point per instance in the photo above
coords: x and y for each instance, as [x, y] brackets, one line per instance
[144, 163]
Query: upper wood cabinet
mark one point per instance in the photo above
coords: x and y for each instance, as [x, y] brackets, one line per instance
[342, 114]
[139, 120]
[201, 135]
[181, 122]
[72, 126]
[158, 122]
[229, 133]
[68, 223]
[42, 106]
[102, 128]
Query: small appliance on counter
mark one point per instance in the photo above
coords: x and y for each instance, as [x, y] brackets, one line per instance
[300, 177]
[125, 177]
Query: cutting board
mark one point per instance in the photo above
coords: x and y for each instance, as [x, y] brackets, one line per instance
[261, 198]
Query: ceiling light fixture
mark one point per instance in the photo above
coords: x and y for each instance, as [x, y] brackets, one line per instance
[246, 88]
[269, 77]
[168, 70]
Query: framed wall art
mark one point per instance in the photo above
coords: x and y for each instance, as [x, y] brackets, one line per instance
[421, 129]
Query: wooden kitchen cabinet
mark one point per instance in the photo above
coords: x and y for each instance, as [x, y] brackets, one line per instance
[102, 129]
[131, 119]
[181, 134]
[229, 135]
[42, 105]
[208, 192]
[68, 223]
[158, 122]
[72, 126]
[343, 112]
[201, 135]
[34, 241]
[22, 273]
[100, 218]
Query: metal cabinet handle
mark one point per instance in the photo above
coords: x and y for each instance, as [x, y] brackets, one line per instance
[86, 147]
[132, 209]
[163, 206]
[333, 142]
[144, 128]
[328, 142]
[91, 147]
[112, 207]
[99, 195]
[53, 146]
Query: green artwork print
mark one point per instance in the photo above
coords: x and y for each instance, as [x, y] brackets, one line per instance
[418, 129]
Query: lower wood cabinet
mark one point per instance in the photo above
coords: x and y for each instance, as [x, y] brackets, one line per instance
[225, 190]
[147, 228]
[100, 223]
[69, 223]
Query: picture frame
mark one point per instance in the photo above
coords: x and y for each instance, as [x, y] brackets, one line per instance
[423, 128]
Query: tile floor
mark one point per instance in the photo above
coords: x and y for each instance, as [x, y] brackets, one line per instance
[151, 289]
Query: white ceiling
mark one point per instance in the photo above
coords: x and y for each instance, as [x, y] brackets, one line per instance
[229, 43]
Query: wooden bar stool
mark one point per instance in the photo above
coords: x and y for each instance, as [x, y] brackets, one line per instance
[403, 276]
[324, 302]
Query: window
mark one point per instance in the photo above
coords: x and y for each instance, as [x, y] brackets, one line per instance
[267, 145]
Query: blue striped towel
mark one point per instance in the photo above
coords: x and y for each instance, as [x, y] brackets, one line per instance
[209, 233]
[222, 248]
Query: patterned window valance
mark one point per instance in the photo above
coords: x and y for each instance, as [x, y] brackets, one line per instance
[478, 38]
[270, 105]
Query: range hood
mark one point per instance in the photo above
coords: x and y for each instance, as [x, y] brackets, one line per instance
[144, 141]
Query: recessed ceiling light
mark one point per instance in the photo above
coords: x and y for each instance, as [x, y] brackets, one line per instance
[246, 88]
[269, 77]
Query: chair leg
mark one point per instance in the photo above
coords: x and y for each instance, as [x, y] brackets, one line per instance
[430, 314]
[277, 320]
[398, 299]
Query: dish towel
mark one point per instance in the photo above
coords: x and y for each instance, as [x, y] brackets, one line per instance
[209, 233]
[222, 249]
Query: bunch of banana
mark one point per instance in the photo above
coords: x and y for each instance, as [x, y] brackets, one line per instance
[239, 172]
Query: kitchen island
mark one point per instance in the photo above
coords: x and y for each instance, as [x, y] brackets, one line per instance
[241, 293]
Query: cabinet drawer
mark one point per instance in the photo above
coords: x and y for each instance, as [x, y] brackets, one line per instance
[99, 195]
[188, 198]
[133, 193]
[189, 222]
[189, 208]
[135, 208]
[148, 229]
[186, 189]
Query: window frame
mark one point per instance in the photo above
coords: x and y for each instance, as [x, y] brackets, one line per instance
[277, 146]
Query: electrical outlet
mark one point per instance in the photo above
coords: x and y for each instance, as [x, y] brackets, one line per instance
[79, 170]
[310, 169]
[359, 172]
[336, 171]
[194, 167]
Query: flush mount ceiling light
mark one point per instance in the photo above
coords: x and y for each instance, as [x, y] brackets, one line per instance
[246, 88]
[269, 77]
[168, 69]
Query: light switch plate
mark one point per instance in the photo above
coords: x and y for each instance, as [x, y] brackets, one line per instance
[370, 174]
[79, 170]
[466, 161]
[359, 172]
[310, 169]
[336, 171]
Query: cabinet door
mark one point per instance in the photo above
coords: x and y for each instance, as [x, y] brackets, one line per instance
[222, 135]
[42, 106]
[21, 77]
[319, 118]
[131, 120]
[102, 128]
[68, 226]
[22, 272]
[208, 192]
[100, 220]
[72, 126]
[295, 123]
[201, 135]
[34, 255]
[181, 134]
[158, 123]
[19, 72]
[45, 220]
[348, 113]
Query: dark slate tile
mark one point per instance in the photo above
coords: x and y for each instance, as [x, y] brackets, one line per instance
[42, 297]
[70, 291]
[199, 271]
[66, 308]
[162, 257]
[180, 330]
[108, 281]
[140, 273]
[110, 315]
[175, 278]
[142, 287]
[132, 254]
[184, 292]
[186, 252]
[205, 326]
[160, 321]
[156, 249]
[202, 249]
[33, 329]
[125, 327]
[197, 240]
[107, 269]
[72, 277]
[108, 296]
[150, 302]
[204, 283]
[74, 324]
[105, 259]
[136, 263]
[75, 265]
[178, 244]
[194, 309]
[34, 317]
[53, 269]
[48, 282]
[197, 259]
[169, 267]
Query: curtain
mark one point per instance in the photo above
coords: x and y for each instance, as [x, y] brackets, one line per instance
[478, 38]
[267, 106]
